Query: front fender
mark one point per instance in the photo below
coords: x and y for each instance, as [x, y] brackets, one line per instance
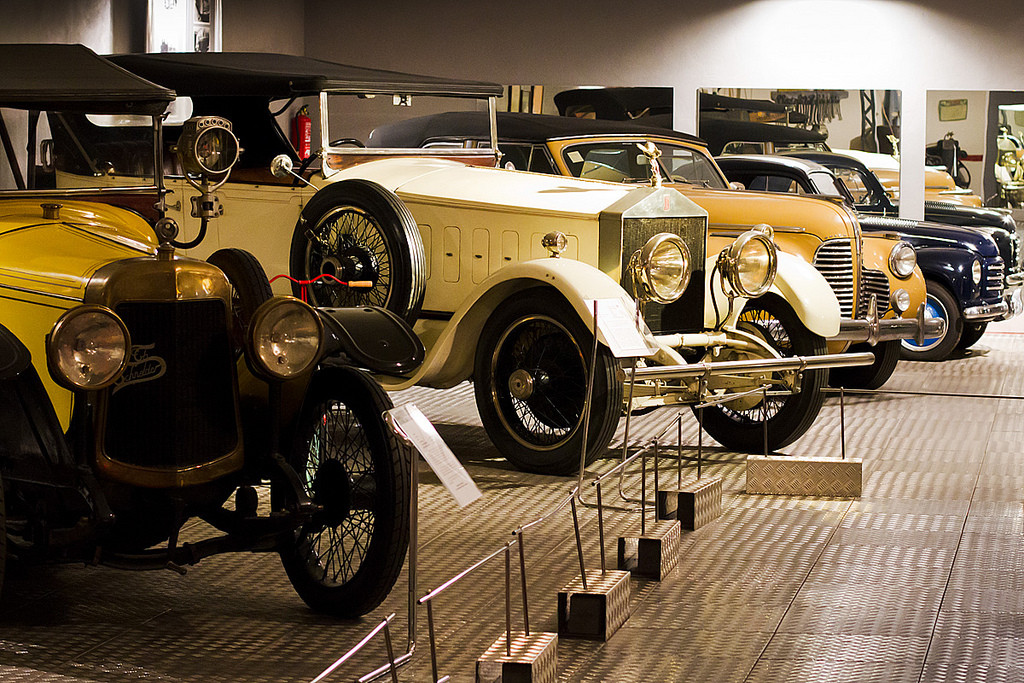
[807, 291]
[451, 346]
[951, 268]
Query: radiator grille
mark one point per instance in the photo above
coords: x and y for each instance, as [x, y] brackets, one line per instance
[995, 279]
[874, 282]
[834, 260]
[687, 313]
[175, 405]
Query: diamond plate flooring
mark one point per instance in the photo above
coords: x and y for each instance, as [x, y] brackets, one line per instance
[918, 579]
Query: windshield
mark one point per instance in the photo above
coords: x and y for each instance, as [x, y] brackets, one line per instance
[622, 161]
[856, 185]
[827, 184]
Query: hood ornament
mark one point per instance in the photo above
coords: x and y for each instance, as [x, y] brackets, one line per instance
[652, 153]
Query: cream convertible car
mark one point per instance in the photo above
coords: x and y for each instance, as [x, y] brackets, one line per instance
[499, 270]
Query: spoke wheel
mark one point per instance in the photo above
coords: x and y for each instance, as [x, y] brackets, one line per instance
[940, 304]
[347, 558]
[355, 230]
[741, 428]
[530, 380]
[249, 289]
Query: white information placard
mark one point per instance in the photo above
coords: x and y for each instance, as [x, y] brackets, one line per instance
[621, 329]
[424, 437]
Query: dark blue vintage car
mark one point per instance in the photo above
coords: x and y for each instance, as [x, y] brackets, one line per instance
[963, 267]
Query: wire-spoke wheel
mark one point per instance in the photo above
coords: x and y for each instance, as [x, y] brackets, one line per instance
[740, 425]
[356, 231]
[530, 380]
[345, 561]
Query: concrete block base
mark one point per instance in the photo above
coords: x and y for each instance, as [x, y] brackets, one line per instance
[804, 476]
[597, 612]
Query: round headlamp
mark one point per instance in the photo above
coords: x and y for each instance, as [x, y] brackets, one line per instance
[661, 269]
[207, 146]
[902, 260]
[749, 264]
[976, 272]
[285, 337]
[87, 348]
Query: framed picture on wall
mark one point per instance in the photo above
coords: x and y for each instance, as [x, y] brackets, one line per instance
[183, 26]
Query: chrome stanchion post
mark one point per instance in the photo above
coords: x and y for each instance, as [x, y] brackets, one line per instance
[600, 527]
[433, 642]
[522, 576]
[700, 440]
[586, 407]
[679, 451]
[842, 421]
[508, 599]
[643, 493]
[579, 543]
[391, 653]
[657, 473]
[764, 414]
[625, 434]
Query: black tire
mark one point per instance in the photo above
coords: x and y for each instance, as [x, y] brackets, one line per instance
[971, 335]
[346, 560]
[539, 343]
[887, 355]
[788, 416]
[3, 535]
[249, 288]
[357, 230]
[941, 304]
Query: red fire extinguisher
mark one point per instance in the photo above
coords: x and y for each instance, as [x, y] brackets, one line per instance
[302, 133]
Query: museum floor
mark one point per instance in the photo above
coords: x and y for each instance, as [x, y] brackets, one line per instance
[919, 579]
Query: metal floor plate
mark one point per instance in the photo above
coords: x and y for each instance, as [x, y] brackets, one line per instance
[919, 579]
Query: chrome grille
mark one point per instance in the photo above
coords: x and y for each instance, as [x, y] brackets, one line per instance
[834, 260]
[994, 276]
[874, 282]
[687, 313]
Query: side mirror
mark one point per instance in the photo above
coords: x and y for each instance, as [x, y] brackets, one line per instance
[734, 185]
[282, 166]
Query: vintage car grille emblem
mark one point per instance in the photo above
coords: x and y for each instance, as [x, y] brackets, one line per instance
[834, 260]
[142, 367]
[177, 407]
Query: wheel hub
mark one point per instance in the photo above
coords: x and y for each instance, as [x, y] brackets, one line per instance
[332, 491]
[520, 384]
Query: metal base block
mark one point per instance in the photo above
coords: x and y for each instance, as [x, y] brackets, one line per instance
[653, 555]
[694, 505]
[598, 611]
[803, 476]
[534, 659]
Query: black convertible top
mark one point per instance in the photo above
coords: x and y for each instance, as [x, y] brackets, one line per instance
[73, 78]
[620, 104]
[511, 127]
[279, 76]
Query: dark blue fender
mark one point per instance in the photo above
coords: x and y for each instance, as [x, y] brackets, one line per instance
[951, 267]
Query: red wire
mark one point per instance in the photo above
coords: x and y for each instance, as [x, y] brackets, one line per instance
[306, 283]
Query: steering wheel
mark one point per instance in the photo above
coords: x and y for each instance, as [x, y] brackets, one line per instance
[347, 141]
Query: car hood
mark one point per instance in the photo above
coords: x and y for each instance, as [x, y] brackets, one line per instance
[825, 219]
[428, 181]
[922, 234]
[58, 256]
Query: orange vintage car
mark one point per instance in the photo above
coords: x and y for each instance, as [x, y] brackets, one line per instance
[875, 277]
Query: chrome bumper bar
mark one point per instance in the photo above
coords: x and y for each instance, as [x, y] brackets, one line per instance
[754, 366]
[987, 312]
[873, 329]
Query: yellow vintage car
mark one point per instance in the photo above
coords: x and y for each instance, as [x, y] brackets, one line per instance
[504, 275]
[140, 389]
[939, 186]
[819, 231]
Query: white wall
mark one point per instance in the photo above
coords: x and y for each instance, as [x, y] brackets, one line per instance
[882, 44]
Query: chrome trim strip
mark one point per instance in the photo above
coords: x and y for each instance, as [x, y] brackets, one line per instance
[73, 191]
[23, 290]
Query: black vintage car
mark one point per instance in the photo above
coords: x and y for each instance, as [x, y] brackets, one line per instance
[140, 389]
[963, 267]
